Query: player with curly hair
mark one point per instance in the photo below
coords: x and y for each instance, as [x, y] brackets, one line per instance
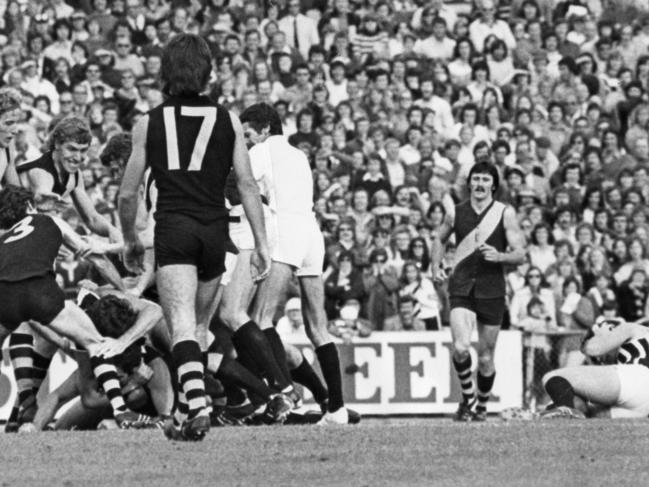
[29, 245]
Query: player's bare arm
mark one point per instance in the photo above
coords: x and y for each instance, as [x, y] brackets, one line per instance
[81, 246]
[149, 315]
[250, 200]
[515, 241]
[91, 217]
[128, 196]
[11, 175]
[437, 246]
[606, 338]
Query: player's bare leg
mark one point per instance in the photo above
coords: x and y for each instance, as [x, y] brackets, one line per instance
[73, 323]
[487, 338]
[206, 293]
[315, 322]
[177, 287]
[252, 346]
[462, 322]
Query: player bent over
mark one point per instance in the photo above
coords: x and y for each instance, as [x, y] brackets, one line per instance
[28, 248]
[617, 390]
[299, 246]
[190, 144]
[488, 238]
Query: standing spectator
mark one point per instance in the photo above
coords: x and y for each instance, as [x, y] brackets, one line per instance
[301, 31]
[535, 286]
[381, 283]
[344, 283]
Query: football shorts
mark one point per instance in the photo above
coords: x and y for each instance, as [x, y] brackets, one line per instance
[633, 401]
[300, 244]
[180, 239]
[38, 298]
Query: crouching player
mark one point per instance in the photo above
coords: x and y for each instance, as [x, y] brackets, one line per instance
[620, 390]
[29, 244]
[144, 377]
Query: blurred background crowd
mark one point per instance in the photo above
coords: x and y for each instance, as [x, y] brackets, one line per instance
[393, 101]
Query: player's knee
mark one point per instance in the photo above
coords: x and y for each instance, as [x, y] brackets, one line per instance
[486, 361]
[293, 356]
[183, 333]
[549, 375]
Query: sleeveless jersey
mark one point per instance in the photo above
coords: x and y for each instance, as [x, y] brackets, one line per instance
[29, 248]
[189, 147]
[635, 351]
[63, 184]
[4, 162]
[471, 272]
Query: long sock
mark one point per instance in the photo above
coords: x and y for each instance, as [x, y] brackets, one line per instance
[305, 375]
[41, 366]
[189, 364]
[279, 352]
[330, 365]
[182, 409]
[232, 371]
[106, 375]
[21, 353]
[251, 344]
[463, 369]
[485, 384]
[560, 391]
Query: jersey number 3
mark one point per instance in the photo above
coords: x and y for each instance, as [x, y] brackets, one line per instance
[20, 230]
[200, 146]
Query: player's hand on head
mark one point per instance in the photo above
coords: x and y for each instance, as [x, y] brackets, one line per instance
[260, 264]
[134, 256]
[107, 348]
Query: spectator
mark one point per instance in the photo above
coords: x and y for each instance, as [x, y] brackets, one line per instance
[345, 282]
[535, 286]
[406, 319]
[422, 290]
[291, 324]
[381, 283]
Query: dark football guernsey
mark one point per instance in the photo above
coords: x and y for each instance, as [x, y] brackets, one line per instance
[189, 147]
[29, 249]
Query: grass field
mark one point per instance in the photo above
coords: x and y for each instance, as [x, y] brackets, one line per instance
[412, 452]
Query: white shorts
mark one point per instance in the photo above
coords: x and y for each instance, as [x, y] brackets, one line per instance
[241, 232]
[634, 392]
[230, 264]
[299, 244]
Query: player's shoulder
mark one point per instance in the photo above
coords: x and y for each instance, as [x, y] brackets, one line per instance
[37, 162]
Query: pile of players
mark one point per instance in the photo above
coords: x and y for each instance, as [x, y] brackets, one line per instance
[213, 335]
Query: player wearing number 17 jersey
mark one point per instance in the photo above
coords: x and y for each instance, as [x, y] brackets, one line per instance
[190, 144]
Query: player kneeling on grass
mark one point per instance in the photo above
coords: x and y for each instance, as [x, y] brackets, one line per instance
[29, 244]
[144, 377]
[620, 390]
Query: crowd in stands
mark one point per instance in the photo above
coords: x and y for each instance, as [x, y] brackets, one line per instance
[393, 101]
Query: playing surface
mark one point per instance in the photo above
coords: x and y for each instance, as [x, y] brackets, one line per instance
[418, 452]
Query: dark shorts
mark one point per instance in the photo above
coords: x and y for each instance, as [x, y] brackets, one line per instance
[37, 298]
[180, 239]
[488, 311]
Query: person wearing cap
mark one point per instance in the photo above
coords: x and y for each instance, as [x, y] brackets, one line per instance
[291, 324]
[37, 85]
[348, 324]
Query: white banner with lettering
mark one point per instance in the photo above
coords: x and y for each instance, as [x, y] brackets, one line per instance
[387, 373]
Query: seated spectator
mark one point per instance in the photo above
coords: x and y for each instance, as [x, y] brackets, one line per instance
[632, 295]
[348, 324]
[421, 289]
[344, 283]
[291, 324]
[406, 319]
[541, 249]
[535, 286]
